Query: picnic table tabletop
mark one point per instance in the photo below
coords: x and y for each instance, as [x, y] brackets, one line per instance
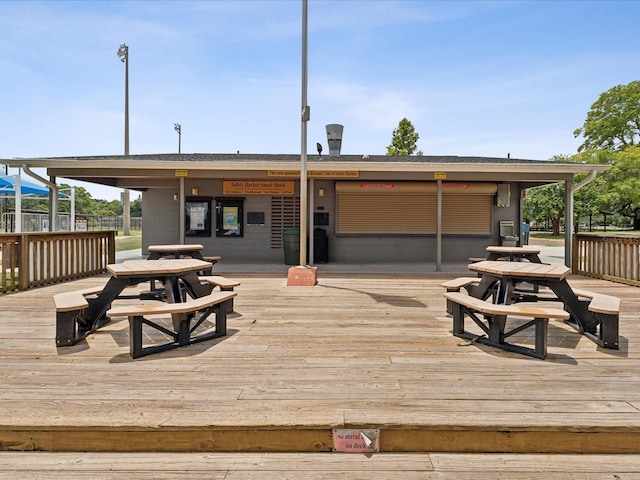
[161, 266]
[522, 269]
[176, 248]
[512, 250]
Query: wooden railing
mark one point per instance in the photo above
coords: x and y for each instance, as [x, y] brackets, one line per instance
[34, 259]
[607, 257]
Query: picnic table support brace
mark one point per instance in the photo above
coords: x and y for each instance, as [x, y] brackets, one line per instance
[182, 330]
[494, 329]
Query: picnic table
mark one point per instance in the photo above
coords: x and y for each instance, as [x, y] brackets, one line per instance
[175, 251]
[501, 279]
[514, 253]
[193, 250]
[79, 315]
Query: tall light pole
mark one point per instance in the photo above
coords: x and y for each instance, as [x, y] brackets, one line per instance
[178, 128]
[123, 53]
[303, 134]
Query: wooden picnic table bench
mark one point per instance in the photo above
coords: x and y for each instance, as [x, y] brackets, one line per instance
[70, 307]
[607, 309]
[223, 283]
[592, 315]
[81, 312]
[180, 250]
[494, 322]
[182, 314]
[455, 284]
[514, 253]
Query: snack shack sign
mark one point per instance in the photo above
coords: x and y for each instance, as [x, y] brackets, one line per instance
[257, 187]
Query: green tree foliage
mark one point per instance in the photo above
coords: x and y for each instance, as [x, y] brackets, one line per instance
[85, 204]
[404, 139]
[613, 123]
[135, 207]
[546, 202]
[611, 134]
[619, 188]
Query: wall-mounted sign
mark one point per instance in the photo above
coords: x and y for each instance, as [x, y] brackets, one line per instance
[439, 175]
[315, 173]
[258, 187]
[181, 173]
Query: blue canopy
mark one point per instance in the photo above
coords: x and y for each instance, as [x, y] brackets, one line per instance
[8, 187]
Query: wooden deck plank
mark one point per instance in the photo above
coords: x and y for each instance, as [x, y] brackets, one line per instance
[351, 351]
[246, 466]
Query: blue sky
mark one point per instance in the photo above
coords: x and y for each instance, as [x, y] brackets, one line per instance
[475, 78]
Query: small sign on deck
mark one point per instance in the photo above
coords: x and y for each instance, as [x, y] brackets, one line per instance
[356, 441]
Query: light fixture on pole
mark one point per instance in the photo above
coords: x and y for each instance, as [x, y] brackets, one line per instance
[123, 54]
[178, 128]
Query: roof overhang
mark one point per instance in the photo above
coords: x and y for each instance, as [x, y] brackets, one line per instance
[164, 170]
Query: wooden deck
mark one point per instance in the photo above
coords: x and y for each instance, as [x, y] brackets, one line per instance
[355, 351]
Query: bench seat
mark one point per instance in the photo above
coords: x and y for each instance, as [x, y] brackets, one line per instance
[494, 320]
[600, 303]
[455, 284]
[182, 314]
[223, 283]
[74, 300]
[219, 281]
[212, 259]
[606, 309]
[70, 325]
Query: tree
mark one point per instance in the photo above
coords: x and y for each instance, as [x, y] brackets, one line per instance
[620, 185]
[136, 207]
[546, 202]
[404, 139]
[613, 123]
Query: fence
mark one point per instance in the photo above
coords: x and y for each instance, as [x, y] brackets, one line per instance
[607, 258]
[39, 222]
[34, 259]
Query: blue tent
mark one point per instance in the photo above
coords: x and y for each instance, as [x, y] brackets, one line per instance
[8, 187]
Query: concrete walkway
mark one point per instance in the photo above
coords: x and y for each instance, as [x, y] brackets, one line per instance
[548, 254]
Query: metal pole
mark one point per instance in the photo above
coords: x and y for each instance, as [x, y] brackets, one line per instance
[568, 223]
[72, 214]
[303, 153]
[439, 227]
[178, 128]
[18, 221]
[123, 53]
[182, 217]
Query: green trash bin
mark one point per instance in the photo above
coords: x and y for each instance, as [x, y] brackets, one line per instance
[291, 245]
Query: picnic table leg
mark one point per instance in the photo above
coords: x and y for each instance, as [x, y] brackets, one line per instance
[608, 335]
[193, 286]
[70, 328]
[581, 317]
[485, 288]
[94, 315]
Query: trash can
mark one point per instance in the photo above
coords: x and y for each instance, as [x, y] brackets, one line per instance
[320, 246]
[291, 245]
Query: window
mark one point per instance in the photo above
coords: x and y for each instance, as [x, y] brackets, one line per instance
[198, 216]
[229, 217]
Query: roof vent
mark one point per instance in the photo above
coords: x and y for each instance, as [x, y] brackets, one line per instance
[334, 139]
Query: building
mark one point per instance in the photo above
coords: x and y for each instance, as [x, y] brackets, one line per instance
[371, 208]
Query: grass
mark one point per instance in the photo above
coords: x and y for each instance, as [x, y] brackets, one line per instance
[128, 243]
[547, 238]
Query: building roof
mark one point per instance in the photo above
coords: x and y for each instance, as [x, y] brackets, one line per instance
[160, 170]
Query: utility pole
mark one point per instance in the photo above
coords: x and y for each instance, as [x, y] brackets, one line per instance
[178, 128]
[123, 53]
